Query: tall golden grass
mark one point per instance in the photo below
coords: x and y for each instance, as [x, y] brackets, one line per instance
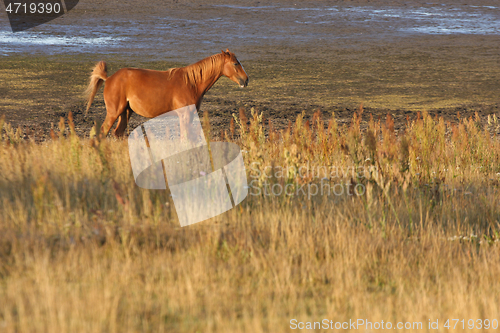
[83, 249]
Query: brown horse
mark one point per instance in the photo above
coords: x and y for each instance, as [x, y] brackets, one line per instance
[151, 93]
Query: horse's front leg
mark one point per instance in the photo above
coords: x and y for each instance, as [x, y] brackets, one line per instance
[187, 130]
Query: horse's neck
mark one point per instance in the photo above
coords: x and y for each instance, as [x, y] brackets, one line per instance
[209, 78]
[208, 83]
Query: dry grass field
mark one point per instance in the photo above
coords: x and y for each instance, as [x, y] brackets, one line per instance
[412, 237]
[385, 212]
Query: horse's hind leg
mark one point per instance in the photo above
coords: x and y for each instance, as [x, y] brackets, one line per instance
[108, 123]
[122, 122]
[121, 125]
[112, 113]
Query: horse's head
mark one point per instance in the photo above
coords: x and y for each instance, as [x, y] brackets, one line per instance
[233, 69]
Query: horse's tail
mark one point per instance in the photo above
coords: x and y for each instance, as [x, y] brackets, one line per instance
[97, 78]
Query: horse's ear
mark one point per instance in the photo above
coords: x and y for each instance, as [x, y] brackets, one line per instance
[227, 50]
[223, 52]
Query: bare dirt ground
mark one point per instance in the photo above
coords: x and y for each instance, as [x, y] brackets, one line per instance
[445, 75]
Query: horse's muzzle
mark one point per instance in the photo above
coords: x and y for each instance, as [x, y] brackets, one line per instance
[243, 83]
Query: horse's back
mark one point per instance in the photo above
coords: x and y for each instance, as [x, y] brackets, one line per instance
[137, 81]
[140, 76]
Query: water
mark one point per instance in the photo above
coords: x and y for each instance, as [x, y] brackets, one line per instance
[167, 33]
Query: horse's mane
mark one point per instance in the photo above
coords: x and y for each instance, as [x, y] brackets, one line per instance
[208, 66]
